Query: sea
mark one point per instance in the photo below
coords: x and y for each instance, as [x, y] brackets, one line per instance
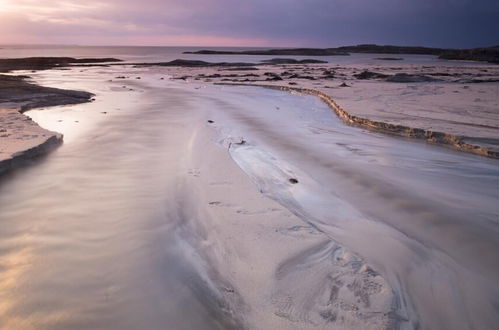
[163, 54]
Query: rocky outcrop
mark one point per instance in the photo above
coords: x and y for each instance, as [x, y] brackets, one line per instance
[370, 75]
[196, 64]
[44, 63]
[487, 54]
[17, 92]
[291, 51]
[237, 65]
[409, 78]
[292, 61]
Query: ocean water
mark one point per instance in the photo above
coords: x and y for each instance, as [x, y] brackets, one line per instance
[159, 54]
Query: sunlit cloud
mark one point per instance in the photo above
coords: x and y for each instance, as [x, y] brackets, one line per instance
[231, 22]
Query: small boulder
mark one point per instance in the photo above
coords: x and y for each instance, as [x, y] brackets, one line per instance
[370, 75]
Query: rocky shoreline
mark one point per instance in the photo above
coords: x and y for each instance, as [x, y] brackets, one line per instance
[21, 139]
[45, 63]
[449, 106]
[473, 133]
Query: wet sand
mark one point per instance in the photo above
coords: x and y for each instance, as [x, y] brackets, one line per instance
[453, 106]
[173, 203]
[201, 206]
[21, 139]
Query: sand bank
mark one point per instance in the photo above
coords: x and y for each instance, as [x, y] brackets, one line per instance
[473, 144]
[20, 137]
[168, 230]
[455, 107]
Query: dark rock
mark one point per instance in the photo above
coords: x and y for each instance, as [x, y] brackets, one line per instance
[44, 63]
[489, 54]
[291, 51]
[388, 49]
[13, 89]
[389, 58]
[195, 63]
[370, 75]
[408, 78]
[328, 74]
[293, 181]
[292, 61]
[272, 76]
[243, 68]
[307, 77]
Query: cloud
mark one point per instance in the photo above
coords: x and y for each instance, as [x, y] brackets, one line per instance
[447, 23]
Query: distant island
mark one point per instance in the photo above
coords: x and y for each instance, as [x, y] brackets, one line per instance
[487, 54]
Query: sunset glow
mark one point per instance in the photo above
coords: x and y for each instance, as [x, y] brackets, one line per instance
[318, 23]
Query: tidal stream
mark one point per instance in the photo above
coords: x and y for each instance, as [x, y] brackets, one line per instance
[100, 233]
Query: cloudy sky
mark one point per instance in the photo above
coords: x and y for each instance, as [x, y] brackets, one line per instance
[320, 23]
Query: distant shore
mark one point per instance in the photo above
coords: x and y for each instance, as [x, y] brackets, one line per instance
[485, 54]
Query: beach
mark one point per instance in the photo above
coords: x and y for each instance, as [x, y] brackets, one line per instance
[218, 207]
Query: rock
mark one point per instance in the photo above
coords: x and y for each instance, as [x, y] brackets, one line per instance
[13, 89]
[195, 63]
[389, 58]
[292, 61]
[43, 63]
[408, 78]
[278, 52]
[489, 54]
[243, 68]
[272, 76]
[370, 75]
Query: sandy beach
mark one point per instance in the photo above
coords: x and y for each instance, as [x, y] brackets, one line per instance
[249, 165]
[452, 106]
[253, 207]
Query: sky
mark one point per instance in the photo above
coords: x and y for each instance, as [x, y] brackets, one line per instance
[266, 23]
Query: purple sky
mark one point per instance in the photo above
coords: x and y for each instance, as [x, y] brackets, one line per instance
[321, 23]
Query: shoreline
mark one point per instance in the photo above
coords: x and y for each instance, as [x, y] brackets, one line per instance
[242, 244]
[16, 93]
[438, 138]
[22, 138]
